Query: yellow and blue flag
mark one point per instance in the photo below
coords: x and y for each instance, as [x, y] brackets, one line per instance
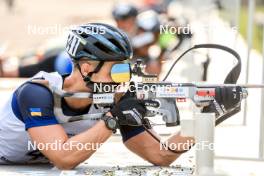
[120, 73]
[35, 112]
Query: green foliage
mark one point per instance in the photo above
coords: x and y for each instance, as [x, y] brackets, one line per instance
[257, 38]
[243, 21]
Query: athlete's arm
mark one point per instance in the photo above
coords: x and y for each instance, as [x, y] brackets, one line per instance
[36, 109]
[68, 159]
[148, 148]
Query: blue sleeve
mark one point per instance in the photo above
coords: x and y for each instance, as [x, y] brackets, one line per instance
[35, 103]
[128, 132]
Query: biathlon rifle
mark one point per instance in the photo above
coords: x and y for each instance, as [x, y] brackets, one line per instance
[165, 93]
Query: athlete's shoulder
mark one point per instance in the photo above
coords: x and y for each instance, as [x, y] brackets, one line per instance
[34, 91]
[35, 105]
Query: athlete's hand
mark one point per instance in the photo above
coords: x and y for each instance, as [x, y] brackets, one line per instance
[131, 111]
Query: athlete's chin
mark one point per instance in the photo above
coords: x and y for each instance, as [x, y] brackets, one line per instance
[84, 89]
[87, 89]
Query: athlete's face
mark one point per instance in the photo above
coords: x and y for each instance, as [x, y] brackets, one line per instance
[104, 75]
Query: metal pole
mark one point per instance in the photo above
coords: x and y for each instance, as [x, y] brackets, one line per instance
[204, 125]
[238, 8]
[251, 9]
[261, 130]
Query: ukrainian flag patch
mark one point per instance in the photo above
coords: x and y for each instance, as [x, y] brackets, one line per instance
[35, 112]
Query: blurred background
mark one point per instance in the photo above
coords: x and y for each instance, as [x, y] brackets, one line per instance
[32, 38]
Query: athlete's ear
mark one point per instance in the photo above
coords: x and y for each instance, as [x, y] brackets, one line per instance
[86, 67]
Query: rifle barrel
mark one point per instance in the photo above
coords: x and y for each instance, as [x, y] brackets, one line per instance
[253, 86]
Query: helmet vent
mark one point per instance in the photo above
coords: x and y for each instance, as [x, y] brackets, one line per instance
[117, 44]
[103, 48]
[84, 35]
[87, 51]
